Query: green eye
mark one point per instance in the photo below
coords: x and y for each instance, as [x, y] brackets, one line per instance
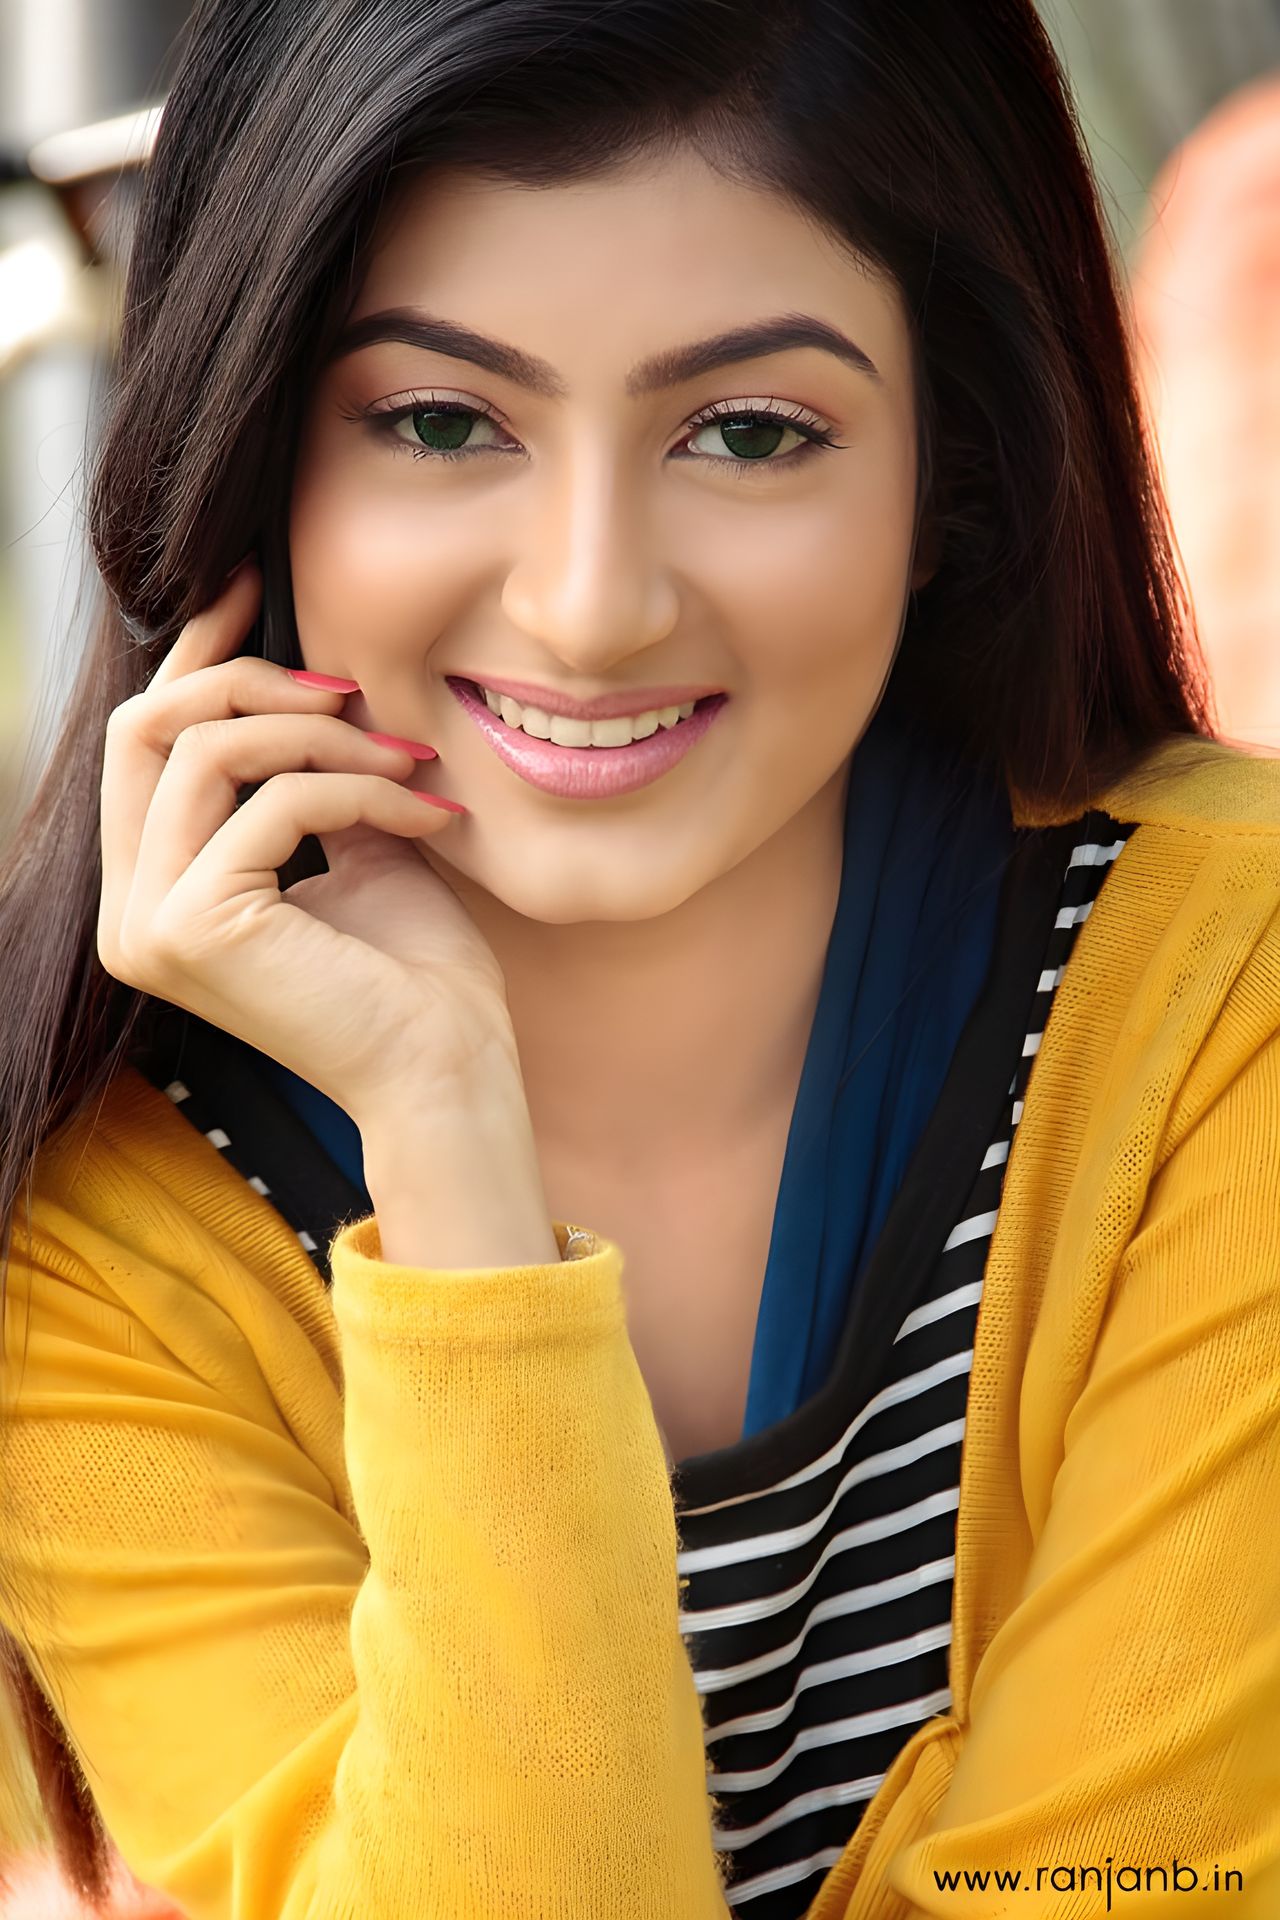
[747, 437]
[442, 428]
[437, 429]
[753, 436]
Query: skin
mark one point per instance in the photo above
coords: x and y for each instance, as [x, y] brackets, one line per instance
[1206, 286]
[662, 950]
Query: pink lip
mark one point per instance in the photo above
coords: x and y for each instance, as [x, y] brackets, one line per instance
[587, 773]
[607, 706]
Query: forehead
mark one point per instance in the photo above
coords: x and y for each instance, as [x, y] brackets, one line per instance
[652, 252]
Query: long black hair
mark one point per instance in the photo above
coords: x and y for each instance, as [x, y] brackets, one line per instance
[1052, 645]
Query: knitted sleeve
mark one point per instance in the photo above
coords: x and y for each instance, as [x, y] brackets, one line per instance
[476, 1704]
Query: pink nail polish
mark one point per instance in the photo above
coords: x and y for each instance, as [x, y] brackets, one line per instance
[437, 800]
[415, 747]
[329, 681]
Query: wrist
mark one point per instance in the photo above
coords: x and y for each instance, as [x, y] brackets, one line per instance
[457, 1183]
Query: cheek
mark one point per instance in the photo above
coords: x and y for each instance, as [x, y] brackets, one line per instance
[821, 591]
[368, 561]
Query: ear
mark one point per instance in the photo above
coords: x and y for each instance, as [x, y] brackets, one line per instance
[928, 553]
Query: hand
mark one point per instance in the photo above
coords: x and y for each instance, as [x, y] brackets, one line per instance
[38, 1891]
[364, 980]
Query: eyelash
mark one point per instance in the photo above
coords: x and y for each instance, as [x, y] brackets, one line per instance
[815, 437]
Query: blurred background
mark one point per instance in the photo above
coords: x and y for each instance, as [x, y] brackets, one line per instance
[1180, 102]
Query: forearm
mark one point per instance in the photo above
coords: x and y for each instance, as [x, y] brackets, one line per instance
[455, 1180]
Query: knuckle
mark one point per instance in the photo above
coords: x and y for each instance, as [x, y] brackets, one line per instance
[201, 737]
[119, 963]
[124, 718]
[144, 956]
[110, 959]
[290, 786]
[153, 954]
[209, 741]
[263, 676]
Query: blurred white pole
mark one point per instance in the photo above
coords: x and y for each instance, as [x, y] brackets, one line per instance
[63, 64]
[46, 405]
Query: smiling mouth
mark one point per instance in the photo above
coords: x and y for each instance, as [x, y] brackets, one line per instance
[659, 719]
[590, 769]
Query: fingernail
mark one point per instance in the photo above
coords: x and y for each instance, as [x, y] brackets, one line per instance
[330, 681]
[237, 569]
[415, 747]
[436, 800]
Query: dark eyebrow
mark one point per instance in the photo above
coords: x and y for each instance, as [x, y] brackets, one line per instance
[412, 328]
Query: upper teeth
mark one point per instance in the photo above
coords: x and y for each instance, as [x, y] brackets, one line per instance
[583, 733]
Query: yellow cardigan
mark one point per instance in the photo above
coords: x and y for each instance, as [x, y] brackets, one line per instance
[365, 1603]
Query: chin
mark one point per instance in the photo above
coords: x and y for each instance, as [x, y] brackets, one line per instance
[597, 890]
[566, 906]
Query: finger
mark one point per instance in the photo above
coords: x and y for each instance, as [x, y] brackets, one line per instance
[218, 629]
[140, 738]
[239, 865]
[364, 848]
[211, 761]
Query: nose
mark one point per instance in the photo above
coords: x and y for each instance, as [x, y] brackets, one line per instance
[587, 583]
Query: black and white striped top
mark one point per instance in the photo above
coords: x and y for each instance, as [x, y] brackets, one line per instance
[819, 1554]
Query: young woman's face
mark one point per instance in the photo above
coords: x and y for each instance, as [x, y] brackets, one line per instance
[531, 465]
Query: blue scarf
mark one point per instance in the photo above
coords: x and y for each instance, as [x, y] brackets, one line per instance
[925, 847]
[910, 947]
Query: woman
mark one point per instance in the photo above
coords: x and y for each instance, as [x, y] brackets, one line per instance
[757, 372]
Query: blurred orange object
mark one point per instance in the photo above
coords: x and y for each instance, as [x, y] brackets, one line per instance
[39, 1892]
[1206, 293]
